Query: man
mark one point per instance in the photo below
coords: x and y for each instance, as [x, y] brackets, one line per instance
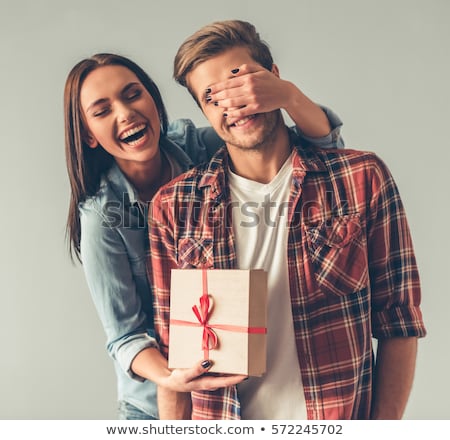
[329, 228]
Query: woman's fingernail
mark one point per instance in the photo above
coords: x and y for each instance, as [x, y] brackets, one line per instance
[225, 115]
[234, 71]
[206, 364]
[208, 98]
[208, 90]
[216, 103]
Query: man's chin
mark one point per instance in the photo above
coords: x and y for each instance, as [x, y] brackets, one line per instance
[246, 146]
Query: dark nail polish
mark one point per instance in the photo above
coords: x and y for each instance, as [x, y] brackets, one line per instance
[206, 364]
[208, 90]
[208, 98]
[234, 71]
[216, 103]
[225, 115]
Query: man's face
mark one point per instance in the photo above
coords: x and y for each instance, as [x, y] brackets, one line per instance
[252, 132]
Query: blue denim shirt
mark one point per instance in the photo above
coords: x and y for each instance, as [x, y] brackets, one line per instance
[114, 251]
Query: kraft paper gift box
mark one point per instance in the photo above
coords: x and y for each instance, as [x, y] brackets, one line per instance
[230, 330]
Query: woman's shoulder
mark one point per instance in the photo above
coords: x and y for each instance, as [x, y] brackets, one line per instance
[99, 198]
[199, 143]
[94, 206]
[113, 185]
[178, 129]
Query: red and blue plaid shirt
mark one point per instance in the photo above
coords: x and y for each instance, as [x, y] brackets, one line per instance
[352, 269]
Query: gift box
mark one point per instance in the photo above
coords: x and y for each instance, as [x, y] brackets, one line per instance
[221, 315]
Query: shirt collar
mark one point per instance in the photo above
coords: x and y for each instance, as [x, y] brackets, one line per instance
[305, 160]
[175, 152]
[121, 185]
[214, 176]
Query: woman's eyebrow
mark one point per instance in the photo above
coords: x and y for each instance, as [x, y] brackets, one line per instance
[97, 102]
[129, 86]
[105, 100]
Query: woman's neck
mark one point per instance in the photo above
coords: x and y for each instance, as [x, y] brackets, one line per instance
[147, 177]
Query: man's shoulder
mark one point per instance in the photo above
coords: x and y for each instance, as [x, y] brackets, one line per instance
[190, 177]
[186, 182]
[345, 154]
[350, 158]
[352, 165]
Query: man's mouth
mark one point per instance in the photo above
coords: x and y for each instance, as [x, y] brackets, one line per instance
[133, 135]
[242, 121]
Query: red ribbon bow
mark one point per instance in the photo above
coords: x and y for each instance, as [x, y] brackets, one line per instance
[210, 339]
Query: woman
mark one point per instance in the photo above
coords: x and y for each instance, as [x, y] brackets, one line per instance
[120, 149]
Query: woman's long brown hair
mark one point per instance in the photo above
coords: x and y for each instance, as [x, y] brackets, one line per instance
[85, 165]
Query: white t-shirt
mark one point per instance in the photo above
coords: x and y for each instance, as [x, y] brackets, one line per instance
[260, 226]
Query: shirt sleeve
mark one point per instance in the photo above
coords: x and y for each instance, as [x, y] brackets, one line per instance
[394, 276]
[163, 260]
[113, 288]
[331, 140]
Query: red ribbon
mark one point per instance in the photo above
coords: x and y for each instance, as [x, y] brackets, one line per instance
[209, 338]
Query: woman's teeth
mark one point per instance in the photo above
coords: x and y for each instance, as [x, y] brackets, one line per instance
[133, 135]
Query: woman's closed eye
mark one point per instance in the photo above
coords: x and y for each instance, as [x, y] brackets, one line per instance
[100, 112]
[131, 95]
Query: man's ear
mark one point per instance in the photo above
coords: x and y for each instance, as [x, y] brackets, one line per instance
[275, 70]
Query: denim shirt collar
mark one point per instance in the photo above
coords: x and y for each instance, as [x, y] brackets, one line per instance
[121, 185]
[173, 150]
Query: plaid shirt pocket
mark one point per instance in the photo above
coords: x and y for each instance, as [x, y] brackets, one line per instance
[338, 252]
[194, 253]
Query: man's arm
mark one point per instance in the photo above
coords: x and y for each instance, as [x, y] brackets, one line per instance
[395, 293]
[173, 405]
[394, 374]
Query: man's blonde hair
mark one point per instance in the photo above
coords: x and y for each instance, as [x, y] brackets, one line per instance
[216, 38]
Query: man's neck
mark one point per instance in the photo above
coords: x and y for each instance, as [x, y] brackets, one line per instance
[261, 164]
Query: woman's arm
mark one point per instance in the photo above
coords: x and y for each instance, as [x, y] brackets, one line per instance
[254, 89]
[200, 144]
[181, 379]
[106, 262]
[111, 282]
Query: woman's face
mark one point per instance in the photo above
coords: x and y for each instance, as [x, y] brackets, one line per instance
[120, 114]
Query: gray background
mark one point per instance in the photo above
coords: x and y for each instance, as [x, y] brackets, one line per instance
[382, 66]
